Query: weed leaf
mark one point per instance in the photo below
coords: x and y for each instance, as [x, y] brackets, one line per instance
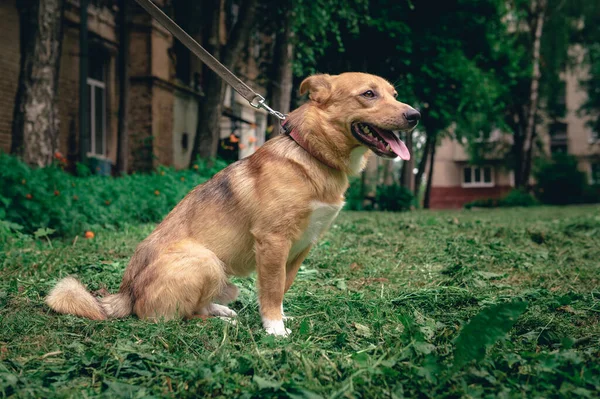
[484, 330]
[264, 383]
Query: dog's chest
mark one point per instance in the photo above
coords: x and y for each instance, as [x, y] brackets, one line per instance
[320, 220]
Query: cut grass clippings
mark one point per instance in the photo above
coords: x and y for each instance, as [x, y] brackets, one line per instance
[479, 303]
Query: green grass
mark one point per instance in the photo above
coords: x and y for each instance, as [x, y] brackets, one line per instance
[377, 308]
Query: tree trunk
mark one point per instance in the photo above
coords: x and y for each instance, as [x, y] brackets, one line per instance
[35, 127]
[423, 164]
[408, 176]
[530, 132]
[369, 183]
[430, 174]
[211, 107]
[123, 147]
[388, 173]
[281, 85]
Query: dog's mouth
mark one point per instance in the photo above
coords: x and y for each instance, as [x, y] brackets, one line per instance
[382, 142]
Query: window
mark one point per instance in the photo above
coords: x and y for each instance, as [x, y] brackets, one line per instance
[476, 176]
[594, 136]
[558, 138]
[97, 103]
[595, 173]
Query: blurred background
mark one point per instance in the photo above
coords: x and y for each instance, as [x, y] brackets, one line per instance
[509, 90]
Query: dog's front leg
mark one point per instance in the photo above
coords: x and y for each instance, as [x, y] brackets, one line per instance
[271, 258]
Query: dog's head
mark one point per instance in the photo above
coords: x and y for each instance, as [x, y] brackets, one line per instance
[365, 109]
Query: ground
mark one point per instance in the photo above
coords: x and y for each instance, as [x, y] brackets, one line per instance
[377, 308]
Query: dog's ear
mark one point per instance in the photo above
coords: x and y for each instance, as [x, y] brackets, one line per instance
[318, 87]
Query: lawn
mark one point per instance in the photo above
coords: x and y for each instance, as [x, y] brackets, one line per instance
[377, 309]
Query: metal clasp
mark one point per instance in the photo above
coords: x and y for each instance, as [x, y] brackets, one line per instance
[259, 102]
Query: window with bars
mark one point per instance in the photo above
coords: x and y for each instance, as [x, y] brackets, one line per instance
[478, 176]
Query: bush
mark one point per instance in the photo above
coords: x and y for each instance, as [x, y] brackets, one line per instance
[51, 198]
[515, 197]
[519, 197]
[394, 198]
[560, 182]
[354, 195]
[591, 194]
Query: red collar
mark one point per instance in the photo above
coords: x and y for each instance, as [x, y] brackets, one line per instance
[293, 133]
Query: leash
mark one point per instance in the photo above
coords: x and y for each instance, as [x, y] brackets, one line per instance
[254, 99]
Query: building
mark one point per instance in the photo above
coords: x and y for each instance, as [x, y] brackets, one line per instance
[456, 182]
[163, 104]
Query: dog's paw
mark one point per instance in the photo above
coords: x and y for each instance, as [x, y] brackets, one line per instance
[215, 309]
[276, 327]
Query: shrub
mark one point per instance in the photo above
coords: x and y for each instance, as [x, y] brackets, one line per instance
[518, 197]
[354, 195]
[515, 197]
[560, 182]
[51, 198]
[591, 194]
[394, 198]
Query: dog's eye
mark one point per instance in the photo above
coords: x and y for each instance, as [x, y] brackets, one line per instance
[369, 94]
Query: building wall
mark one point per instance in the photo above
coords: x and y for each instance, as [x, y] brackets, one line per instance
[101, 24]
[9, 69]
[161, 107]
[185, 122]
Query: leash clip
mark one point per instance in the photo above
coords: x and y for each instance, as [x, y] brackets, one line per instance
[259, 102]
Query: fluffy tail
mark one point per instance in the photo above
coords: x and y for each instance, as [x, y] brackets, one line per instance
[69, 296]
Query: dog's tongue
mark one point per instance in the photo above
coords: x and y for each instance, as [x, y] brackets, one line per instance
[395, 143]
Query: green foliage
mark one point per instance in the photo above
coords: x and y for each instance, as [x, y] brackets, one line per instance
[394, 198]
[354, 196]
[49, 198]
[484, 330]
[516, 197]
[559, 181]
[376, 314]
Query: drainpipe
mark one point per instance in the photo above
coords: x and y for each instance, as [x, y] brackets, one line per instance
[83, 74]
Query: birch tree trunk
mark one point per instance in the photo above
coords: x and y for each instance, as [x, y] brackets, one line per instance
[35, 128]
[530, 132]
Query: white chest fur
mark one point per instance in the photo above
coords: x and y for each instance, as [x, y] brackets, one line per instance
[320, 220]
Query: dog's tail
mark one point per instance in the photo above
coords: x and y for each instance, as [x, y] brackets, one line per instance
[69, 296]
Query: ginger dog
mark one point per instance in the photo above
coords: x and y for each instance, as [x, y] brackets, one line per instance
[261, 213]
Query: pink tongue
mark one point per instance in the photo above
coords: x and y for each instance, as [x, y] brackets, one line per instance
[395, 143]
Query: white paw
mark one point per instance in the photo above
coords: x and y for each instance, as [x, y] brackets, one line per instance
[215, 309]
[276, 327]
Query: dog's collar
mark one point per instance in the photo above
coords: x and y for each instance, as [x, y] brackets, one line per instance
[293, 133]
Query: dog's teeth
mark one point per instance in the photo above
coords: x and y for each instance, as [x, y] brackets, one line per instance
[388, 147]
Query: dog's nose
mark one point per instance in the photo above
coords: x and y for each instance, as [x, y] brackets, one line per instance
[412, 115]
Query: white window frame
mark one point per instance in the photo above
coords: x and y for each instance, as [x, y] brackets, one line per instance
[473, 183]
[594, 136]
[94, 85]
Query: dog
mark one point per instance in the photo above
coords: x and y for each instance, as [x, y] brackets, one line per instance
[262, 213]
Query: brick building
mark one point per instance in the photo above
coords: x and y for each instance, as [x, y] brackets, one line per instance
[456, 182]
[163, 104]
